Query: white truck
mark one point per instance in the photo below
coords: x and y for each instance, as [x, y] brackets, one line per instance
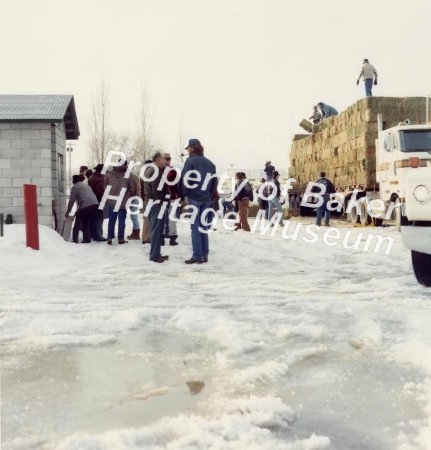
[403, 153]
[368, 160]
[416, 233]
[404, 175]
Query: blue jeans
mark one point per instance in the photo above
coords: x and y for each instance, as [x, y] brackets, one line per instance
[274, 202]
[166, 223]
[135, 218]
[200, 241]
[170, 226]
[368, 87]
[227, 206]
[323, 210]
[156, 231]
[121, 214]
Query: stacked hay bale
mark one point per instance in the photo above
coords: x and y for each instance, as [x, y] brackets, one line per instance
[344, 146]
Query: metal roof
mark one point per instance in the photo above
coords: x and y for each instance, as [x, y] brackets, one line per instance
[41, 108]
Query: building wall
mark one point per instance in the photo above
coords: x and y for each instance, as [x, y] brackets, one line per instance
[28, 155]
[58, 170]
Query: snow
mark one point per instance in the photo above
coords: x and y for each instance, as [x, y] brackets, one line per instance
[298, 345]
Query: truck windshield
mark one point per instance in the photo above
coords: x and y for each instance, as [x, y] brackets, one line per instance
[415, 140]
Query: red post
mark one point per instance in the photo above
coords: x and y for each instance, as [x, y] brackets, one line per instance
[31, 217]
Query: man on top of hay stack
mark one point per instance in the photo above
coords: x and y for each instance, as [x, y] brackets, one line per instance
[368, 73]
[326, 110]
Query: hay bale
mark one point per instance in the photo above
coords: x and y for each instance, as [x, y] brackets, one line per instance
[344, 145]
[307, 125]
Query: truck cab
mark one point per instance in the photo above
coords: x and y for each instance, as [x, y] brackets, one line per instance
[402, 152]
[409, 176]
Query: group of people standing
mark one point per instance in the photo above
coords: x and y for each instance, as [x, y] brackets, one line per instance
[244, 196]
[199, 192]
[90, 186]
[87, 193]
[267, 187]
[161, 199]
[162, 202]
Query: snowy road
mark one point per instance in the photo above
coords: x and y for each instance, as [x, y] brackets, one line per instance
[299, 345]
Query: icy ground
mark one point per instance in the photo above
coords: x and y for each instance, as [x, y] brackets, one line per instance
[290, 345]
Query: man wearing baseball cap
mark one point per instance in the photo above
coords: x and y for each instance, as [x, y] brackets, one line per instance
[200, 196]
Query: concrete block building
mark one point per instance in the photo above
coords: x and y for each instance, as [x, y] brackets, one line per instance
[33, 134]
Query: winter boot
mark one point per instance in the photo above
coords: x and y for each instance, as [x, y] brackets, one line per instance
[173, 240]
[135, 236]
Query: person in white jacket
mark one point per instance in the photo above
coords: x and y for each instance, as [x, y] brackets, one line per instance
[369, 74]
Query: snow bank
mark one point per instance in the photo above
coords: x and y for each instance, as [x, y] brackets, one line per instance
[300, 346]
[247, 424]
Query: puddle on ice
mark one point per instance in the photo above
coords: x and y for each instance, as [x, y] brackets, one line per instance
[58, 392]
[359, 402]
[145, 376]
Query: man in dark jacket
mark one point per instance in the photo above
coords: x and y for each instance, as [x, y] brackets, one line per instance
[155, 196]
[116, 178]
[274, 202]
[263, 202]
[243, 199]
[327, 189]
[199, 185]
[87, 206]
[146, 226]
[97, 184]
[269, 170]
[327, 110]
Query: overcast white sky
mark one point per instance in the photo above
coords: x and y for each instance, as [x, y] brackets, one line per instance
[238, 74]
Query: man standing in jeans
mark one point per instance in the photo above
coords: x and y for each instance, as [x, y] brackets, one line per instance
[368, 73]
[327, 188]
[155, 193]
[169, 224]
[117, 181]
[199, 185]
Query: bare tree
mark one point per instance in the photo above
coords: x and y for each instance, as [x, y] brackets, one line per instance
[181, 141]
[142, 146]
[120, 141]
[101, 136]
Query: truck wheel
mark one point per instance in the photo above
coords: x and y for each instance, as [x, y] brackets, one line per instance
[400, 220]
[353, 215]
[365, 218]
[304, 211]
[422, 267]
